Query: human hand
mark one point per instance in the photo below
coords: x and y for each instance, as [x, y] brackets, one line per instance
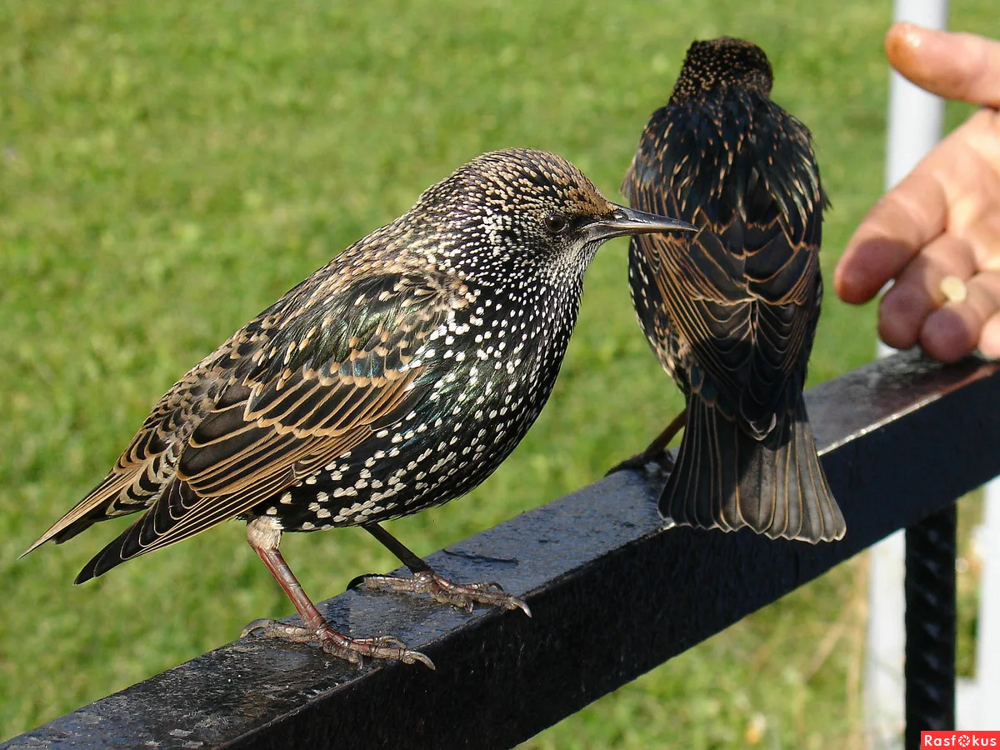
[943, 219]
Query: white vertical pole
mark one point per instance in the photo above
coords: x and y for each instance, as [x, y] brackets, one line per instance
[915, 121]
[915, 117]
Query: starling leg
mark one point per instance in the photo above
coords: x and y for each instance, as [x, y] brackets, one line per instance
[657, 450]
[426, 581]
[264, 538]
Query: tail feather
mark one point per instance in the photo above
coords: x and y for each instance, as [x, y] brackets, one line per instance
[122, 548]
[99, 505]
[726, 479]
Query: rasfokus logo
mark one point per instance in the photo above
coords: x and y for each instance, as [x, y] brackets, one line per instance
[960, 739]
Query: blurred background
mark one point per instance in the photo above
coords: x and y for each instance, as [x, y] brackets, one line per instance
[169, 169]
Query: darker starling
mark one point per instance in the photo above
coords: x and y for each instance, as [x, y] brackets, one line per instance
[732, 314]
[395, 378]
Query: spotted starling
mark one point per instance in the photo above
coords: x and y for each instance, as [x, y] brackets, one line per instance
[395, 378]
[731, 314]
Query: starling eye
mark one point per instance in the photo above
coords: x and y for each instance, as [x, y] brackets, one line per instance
[555, 223]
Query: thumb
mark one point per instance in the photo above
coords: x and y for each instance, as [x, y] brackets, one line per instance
[965, 67]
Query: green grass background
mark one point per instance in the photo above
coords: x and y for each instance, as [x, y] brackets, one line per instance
[169, 168]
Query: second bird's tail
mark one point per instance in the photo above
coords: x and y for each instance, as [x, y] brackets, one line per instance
[726, 479]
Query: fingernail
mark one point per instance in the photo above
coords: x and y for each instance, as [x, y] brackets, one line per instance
[989, 341]
[913, 34]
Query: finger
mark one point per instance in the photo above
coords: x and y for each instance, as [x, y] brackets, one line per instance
[953, 66]
[989, 339]
[918, 291]
[897, 226]
[956, 328]
[983, 234]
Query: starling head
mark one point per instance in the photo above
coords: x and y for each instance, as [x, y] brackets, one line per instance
[522, 211]
[720, 63]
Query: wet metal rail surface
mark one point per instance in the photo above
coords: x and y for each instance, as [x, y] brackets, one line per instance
[612, 592]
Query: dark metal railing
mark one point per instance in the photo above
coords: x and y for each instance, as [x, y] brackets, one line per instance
[612, 592]
[930, 625]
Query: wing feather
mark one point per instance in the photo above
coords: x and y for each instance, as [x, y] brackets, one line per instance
[743, 291]
[279, 401]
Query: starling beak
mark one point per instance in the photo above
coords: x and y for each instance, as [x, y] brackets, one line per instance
[629, 221]
[732, 314]
[395, 378]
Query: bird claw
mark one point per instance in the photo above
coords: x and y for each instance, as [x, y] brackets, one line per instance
[277, 629]
[353, 650]
[640, 462]
[459, 595]
[380, 647]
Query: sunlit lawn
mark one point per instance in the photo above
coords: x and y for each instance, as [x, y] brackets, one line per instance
[168, 169]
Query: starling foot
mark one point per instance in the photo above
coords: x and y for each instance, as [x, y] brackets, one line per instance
[426, 581]
[350, 649]
[640, 461]
[458, 595]
[264, 537]
[656, 452]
